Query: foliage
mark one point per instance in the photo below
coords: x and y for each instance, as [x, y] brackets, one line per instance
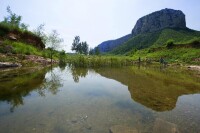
[40, 32]
[79, 47]
[170, 44]
[14, 21]
[174, 55]
[99, 61]
[53, 42]
[91, 51]
[62, 57]
[96, 51]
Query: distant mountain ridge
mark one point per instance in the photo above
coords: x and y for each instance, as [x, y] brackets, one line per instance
[156, 21]
[107, 46]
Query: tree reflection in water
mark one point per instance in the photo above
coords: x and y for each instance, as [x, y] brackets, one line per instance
[17, 84]
[78, 72]
[154, 88]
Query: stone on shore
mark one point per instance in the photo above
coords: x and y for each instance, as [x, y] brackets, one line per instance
[9, 64]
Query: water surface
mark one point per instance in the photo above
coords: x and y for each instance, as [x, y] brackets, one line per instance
[79, 100]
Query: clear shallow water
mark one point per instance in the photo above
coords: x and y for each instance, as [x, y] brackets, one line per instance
[69, 100]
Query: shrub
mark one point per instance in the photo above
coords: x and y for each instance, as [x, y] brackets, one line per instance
[170, 44]
[195, 43]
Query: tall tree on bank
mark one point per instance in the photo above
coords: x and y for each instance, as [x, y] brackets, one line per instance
[79, 47]
[84, 48]
[75, 44]
[53, 43]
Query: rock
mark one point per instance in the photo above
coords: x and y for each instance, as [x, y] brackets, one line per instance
[166, 18]
[162, 126]
[122, 129]
[197, 68]
[40, 60]
[12, 36]
[88, 126]
[9, 64]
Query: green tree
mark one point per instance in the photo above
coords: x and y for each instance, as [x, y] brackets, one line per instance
[40, 32]
[14, 20]
[62, 57]
[75, 44]
[85, 48]
[79, 47]
[170, 44]
[91, 51]
[53, 43]
[97, 52]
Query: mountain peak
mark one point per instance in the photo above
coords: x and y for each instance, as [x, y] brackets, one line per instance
[165, 18]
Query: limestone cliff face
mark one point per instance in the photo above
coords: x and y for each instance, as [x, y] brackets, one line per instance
[166, 18]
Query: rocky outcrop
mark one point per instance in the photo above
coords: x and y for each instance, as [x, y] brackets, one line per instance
[17, 35]
[166, 18]
[39, 60]
[108, 46]
[26, 37]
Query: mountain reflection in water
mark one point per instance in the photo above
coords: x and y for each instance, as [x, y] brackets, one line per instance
[154, 88]
[68, 99]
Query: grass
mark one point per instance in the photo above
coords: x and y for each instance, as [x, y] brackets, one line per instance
[14, 51]
[157, 39]
[174, 45]
[6, 28]
[15, 47]
[175, 55]
[99, 61]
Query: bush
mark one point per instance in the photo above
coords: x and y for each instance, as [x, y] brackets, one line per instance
[170, 44]
[195, 43]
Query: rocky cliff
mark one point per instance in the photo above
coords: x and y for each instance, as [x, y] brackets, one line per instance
[156, 21]
[166, 18]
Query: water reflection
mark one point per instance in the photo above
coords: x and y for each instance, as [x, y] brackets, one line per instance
[73, 100]
[78, 72]
[158, 90]
[19, 83]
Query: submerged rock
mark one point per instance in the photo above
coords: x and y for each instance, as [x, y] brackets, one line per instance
[162, 126]
[122, 129]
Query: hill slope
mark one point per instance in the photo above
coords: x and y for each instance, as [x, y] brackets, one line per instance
[156, 39]
[108, 46]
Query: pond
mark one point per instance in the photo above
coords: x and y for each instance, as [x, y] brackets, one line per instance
[137, 99]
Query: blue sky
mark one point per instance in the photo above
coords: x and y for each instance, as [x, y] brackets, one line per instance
[94, 21]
